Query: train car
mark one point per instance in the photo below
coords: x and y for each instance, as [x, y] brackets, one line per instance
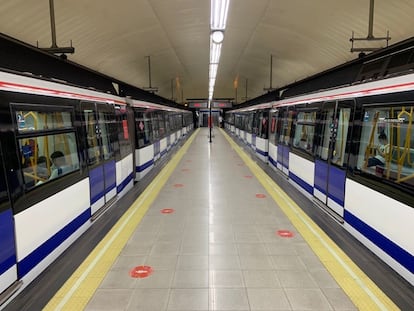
[351, 150]
[59, 143]
[157, 129]
[251, 126]
[66, 155]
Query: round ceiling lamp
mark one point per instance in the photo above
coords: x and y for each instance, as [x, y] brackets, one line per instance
[217, 36]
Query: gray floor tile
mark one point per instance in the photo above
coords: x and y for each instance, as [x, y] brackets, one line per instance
[261, 278]
[288, 263]
[224, 262]
[267, 299]
[226, 278]
[263, 262]
[188, 299]
[251, 249]
[128, 262]
[307, 299]
[167, 262]
[223, 249]
[295, 279]
[192, 262]
[338, 299]
[158, 279]
[119, 279]
[110, 299]
[190, 279]
[146, 299]
[228, 299]
[324, 279]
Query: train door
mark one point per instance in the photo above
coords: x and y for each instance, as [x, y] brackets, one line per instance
[330, 161]
[8, 268]
[283, 148]
[98, 120]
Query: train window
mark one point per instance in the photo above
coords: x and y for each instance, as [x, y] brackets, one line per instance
[31, 120]
[263, 125]
[123, 131]
[305, 130]
[92, 130]
[167, 124]
[273, 128]
[287, 124]
[143, 128]
[339, 143]
[387, 144]
[46, 157]
[106, 131]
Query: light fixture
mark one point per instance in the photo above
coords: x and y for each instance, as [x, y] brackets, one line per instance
[215, 51]
[217, 36]
[219, 10]
[218, 19]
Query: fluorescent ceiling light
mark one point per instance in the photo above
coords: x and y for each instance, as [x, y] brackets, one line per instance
[219, 10]
[218, 14]
[215, 51]
[213, 71]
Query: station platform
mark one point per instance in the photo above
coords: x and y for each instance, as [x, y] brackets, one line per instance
[213, 231]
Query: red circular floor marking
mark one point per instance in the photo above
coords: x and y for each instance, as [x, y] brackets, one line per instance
[260, 195]
[167, 210]
[285, 233]
[178, 185]
[248, 176]
[185, 170]
[140, 272]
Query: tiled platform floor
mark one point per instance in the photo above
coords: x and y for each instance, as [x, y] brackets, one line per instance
[219, 249]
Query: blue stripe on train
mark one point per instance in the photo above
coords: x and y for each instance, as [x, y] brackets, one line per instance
[303, 184]
[272, 161]
[40, 253]
[7, 242]
[144, 166]
[388, 246]
[124, 183]
[263, 153]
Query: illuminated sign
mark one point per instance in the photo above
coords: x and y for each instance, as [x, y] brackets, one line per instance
[222, 105]
[198, 105]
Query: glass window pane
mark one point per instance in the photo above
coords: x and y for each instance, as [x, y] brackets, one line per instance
[31, 120]
[324, 138]
[305, 130]
[44, 158]
[92, 129]
[105, 133]
[387, 144]
[338, 155]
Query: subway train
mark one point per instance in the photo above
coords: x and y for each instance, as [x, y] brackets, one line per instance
[348, 147]
[66, 154]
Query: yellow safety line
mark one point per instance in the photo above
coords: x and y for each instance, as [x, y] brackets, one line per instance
[80, 287]
[363, 292]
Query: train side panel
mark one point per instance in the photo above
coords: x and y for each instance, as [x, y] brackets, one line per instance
[383, 224]
[39, 241]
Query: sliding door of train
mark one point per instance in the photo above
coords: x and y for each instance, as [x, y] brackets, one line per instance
[99, 121]
[286, 129]
[8, 269]
[331, 161]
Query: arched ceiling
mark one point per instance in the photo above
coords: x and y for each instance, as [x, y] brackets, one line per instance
[304, 37]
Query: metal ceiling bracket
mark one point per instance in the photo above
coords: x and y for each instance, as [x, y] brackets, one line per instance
[370, 36]
[150, 88]
[54, 49]
[270, 88]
